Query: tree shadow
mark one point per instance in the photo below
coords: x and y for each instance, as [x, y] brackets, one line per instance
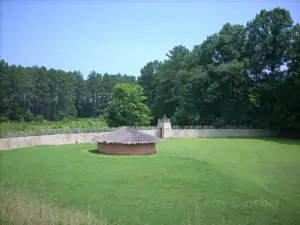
[96, 152]
[281, 140]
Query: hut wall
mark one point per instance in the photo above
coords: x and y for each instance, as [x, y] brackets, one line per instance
[120, 149]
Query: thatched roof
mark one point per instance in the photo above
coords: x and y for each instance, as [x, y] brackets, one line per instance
[126, 135]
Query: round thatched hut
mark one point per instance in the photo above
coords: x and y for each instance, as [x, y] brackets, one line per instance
[126, 141]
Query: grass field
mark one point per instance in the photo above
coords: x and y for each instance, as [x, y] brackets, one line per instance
[190, 181]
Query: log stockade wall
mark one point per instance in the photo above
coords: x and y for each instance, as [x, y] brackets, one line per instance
[60, 139]
[194, 133]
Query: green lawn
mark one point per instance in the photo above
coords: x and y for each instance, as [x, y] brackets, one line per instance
[190, 181]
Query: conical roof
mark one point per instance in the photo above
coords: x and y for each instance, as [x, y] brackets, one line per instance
[126, 135]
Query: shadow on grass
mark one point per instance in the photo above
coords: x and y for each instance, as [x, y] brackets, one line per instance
[278, 140]
[283, 141]
[96, 152]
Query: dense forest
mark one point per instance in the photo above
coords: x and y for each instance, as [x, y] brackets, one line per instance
[241, 75]
[35, 92]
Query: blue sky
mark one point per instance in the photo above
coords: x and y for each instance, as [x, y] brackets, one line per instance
[114, 36]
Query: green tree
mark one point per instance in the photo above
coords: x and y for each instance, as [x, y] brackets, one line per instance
[236, 76]
[269, 39]
[80, 92]
[127, 107]
[5, 91]
[28, 92]
[148, 80]
[291, 102]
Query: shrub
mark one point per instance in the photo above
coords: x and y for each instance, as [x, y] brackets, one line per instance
[39, 118]
[3, 119]
[28, 116]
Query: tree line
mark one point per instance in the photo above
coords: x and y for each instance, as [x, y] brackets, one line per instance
[29, 93]
[241, 75]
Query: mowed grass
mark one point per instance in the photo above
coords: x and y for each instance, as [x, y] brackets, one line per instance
[190, 181]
